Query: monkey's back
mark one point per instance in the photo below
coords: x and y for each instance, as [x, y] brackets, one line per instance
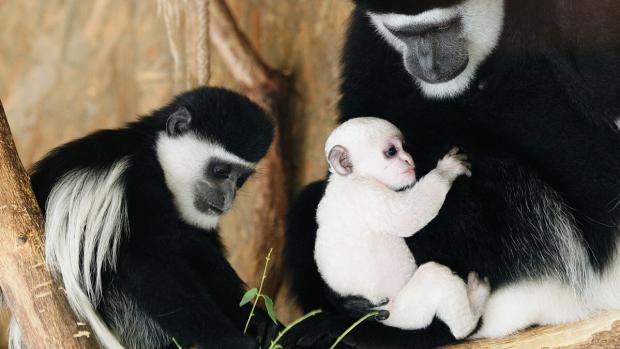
[353, 259]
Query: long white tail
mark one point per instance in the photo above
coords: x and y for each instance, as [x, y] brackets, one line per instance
[86, 216]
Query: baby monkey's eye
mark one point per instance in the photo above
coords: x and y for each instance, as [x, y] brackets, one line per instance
[391, 152]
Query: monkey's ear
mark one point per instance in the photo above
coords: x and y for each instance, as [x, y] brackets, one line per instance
[340, 160]
[178, 122]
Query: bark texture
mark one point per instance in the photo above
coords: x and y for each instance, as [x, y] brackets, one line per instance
[602, 331]
[36, 301]
[269, 89]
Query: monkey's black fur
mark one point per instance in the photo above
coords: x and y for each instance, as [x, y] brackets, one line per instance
[537, 124]
[176, 273]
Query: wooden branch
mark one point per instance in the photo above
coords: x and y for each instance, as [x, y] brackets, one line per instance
[602, 331]
[269, 89]
[238, 54]
[36, 300]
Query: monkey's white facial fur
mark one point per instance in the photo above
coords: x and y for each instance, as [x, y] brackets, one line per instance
[442, 48]
[370, 147]
[199, 189]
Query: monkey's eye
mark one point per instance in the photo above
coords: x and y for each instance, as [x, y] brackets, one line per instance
[444, 27]
[221, 171]
[391, 152]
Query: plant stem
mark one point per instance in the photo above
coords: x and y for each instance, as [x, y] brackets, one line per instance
[291, 325]
[260, 289]
[174, 340]
[374, 313]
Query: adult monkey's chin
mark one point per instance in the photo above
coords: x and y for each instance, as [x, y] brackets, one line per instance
[442, 48]
[434, 52]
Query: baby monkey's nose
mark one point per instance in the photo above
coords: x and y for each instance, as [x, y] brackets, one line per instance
[407, 158]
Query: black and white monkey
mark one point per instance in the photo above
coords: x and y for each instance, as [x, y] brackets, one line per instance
[530, 91]
[131, 223]
[372, 202]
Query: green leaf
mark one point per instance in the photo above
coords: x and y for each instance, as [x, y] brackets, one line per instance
[269, 306]
[248, 296]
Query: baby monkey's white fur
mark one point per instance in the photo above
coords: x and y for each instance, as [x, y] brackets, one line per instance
[370, 205]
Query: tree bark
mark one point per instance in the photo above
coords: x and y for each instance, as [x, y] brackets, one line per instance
[35, 299]
[269, 89]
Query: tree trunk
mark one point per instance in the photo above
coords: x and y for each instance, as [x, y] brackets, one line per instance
[35, 299]
[269, 89]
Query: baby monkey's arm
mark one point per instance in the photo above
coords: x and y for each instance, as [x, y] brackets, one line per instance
[404, 213]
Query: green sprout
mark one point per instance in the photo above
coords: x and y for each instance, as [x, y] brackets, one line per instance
[274, 343]
[256, 294]
[174, 340]
[339, 339]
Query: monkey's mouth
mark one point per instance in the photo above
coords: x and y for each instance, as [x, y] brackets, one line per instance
[405, 188]
[211, 209]
[205, 206]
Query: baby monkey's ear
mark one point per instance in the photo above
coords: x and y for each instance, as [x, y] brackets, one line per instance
[340, 161]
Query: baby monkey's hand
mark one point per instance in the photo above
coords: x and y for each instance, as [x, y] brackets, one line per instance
[454, 164]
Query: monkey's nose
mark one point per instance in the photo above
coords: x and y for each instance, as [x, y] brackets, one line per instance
[407, 158]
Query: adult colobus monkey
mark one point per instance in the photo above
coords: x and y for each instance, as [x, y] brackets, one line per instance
[131, 219]
[530, 90]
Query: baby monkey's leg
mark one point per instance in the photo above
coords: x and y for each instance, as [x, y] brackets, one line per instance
[435, 290]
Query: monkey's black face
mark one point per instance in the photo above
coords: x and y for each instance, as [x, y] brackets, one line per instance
[216, 193]
[441, 45]
[434, 52]
[208, 145]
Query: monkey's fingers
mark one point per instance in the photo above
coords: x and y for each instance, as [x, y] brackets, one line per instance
[467, 172]
[460, 157]
[382, 315]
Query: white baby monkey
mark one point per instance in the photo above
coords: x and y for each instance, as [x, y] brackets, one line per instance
[371, 203]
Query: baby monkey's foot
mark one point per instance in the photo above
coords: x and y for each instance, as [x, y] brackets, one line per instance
[454, 164]
[478, 291]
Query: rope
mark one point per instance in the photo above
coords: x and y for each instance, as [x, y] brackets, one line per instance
[170, 10]
[203, 62]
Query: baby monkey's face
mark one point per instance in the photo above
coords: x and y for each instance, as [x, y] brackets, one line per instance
[385, 160]
[371, 148]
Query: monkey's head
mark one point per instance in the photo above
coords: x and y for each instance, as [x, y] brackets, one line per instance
[442, 42]
[209, 144]
[370, 148]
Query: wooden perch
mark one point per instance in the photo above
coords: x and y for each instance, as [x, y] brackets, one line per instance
[602, 331]
[35, 299]
[269, 89]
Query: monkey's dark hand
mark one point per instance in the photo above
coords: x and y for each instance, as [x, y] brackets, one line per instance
[263, 329]
[357, 306]
[318, 332]
[239, 342]
[224, 340]
[322, 330]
